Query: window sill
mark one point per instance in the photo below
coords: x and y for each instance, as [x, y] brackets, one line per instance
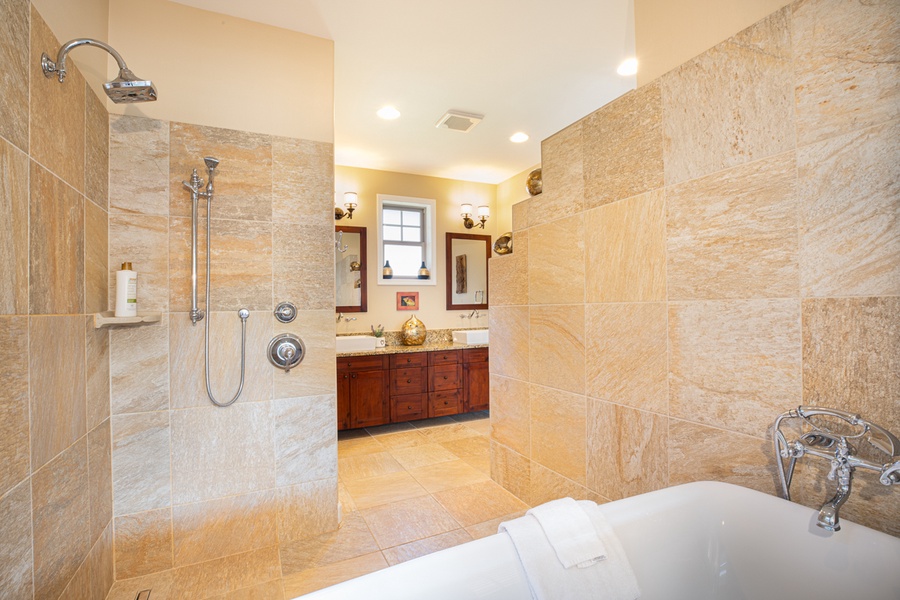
[407, 282]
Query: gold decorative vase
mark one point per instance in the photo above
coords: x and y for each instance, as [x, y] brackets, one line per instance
[535, 182]
[413, 332]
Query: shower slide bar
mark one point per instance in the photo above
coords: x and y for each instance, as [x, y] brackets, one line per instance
[195, 186]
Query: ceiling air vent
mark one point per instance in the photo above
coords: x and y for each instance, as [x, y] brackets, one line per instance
[459, 121]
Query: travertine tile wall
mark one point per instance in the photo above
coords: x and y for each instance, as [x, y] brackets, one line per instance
[196, 487]
[710, 249]
[55, 446]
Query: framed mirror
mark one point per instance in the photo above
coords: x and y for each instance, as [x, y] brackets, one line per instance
[350, 269]
[467, 272]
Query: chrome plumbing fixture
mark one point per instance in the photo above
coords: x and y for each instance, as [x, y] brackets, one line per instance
[195, 186]
[125, 89]
[286, 351]
[285, 312]
[839, 449]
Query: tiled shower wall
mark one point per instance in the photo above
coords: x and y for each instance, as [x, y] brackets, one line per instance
[710, 250]
[192, 483]
[55, 475]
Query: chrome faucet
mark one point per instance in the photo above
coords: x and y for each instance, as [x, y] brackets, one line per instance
[819, 441]
[474, 313]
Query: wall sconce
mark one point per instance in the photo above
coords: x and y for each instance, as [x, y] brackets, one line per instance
[350, 203]
[483, 213]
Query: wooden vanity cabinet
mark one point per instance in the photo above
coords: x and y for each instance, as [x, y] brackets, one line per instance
[363, 392]
[476, 380]
[374, 390]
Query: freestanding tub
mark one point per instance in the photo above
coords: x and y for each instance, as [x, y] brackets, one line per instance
[698, 541]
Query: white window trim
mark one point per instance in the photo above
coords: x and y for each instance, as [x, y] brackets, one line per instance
[429, 230]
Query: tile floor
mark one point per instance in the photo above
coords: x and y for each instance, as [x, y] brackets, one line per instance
[406, 490]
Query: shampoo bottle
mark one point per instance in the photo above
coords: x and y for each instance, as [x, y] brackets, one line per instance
[126, 292]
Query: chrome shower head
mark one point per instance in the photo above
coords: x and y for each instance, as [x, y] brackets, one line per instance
[126, 88]
[211, 163]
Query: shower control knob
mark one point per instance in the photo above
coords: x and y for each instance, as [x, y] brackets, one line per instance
[286, 351]
[285, 312]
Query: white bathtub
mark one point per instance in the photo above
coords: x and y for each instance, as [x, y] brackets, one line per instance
[697, 541]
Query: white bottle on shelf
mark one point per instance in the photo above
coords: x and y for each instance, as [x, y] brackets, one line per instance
[126, 291]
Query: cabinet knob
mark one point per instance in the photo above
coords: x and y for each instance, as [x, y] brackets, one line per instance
[446, 403]
[408, 360]
[445, 377]
[409, 381]
[409, 408]
[349, 366]
[345, 377]
[353, 376]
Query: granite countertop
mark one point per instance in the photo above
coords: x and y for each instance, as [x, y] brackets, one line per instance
[426, 347]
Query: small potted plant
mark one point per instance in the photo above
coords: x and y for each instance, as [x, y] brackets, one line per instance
[378, 332]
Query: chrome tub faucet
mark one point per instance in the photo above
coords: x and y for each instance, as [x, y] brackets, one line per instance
[818, 440]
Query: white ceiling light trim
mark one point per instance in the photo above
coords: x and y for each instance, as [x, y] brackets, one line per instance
[388, 113]
[518, 137]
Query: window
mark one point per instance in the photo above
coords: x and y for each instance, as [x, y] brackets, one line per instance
[406, 238]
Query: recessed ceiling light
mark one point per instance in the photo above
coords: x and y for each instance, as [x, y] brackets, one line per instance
[388, 113]
[519, 137]
[628, 67]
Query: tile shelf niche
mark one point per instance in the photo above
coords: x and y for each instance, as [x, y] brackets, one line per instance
[107, 318]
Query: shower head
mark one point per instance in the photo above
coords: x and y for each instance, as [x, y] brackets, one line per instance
[211, 163]
[126, 88]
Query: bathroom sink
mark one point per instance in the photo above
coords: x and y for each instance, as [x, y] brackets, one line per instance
[470, 336]
[354, 343]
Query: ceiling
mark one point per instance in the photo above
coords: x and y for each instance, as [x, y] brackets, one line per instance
[527, 65]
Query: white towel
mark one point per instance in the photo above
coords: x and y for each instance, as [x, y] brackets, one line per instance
[609, 579]
[570, 532]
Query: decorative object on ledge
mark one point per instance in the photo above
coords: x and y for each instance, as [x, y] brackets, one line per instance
[424, 273]
[504, 244]
[355, 266]
[483, 213]
[378, 332]
[407, 300]
[462, 274]
[108, 319]
[387, 272]
[351, 201]
[535, 182]
[413, 332]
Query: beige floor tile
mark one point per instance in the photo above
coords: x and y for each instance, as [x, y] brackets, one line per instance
[383, 489]
[387, 429]
[321, 577]
[358, 446]
[408, 520]
[479, 502]
[406, 552]
[470, 446]
[446, 433]
[419, 456]
[481, 426]
[482, 463]
[353, 539]
[481, 530]
[367, 465]
[404, 439]
[348, 505]
[447, 475]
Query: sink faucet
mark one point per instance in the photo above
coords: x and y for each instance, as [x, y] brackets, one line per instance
[474, 313]
[837, 449]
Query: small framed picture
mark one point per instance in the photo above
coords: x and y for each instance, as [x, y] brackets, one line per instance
[407, 300]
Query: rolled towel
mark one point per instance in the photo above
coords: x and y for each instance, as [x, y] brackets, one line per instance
[570, 532]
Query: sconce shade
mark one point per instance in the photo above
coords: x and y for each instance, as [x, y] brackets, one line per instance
[466, 209]
[484, 211]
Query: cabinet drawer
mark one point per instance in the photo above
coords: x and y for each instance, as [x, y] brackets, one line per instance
[445, 377]
[411, 359]
[360, 363]
[444, 357]
[475, 355]
[441, 404]
[408, 381]
[408, 407]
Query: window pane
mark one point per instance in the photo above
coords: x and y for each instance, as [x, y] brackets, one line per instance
[412, 217]
[391, 216]
[412, 234]
[392, 233]
[405, 260]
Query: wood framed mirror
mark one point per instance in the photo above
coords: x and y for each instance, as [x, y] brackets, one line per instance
[467, 270]
[350, 269]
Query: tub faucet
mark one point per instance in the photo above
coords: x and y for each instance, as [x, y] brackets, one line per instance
[837, 448]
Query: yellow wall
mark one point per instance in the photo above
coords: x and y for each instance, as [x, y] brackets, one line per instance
[669, 33]
[449, 194]
[211, 69]
[509, 192]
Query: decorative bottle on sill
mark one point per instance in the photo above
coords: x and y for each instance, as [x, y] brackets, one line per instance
[413, 332]
[387, 272]
[424, 273]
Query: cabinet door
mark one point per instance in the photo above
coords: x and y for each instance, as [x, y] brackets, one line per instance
[477, 386]
[369, 398]
[343, 400]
